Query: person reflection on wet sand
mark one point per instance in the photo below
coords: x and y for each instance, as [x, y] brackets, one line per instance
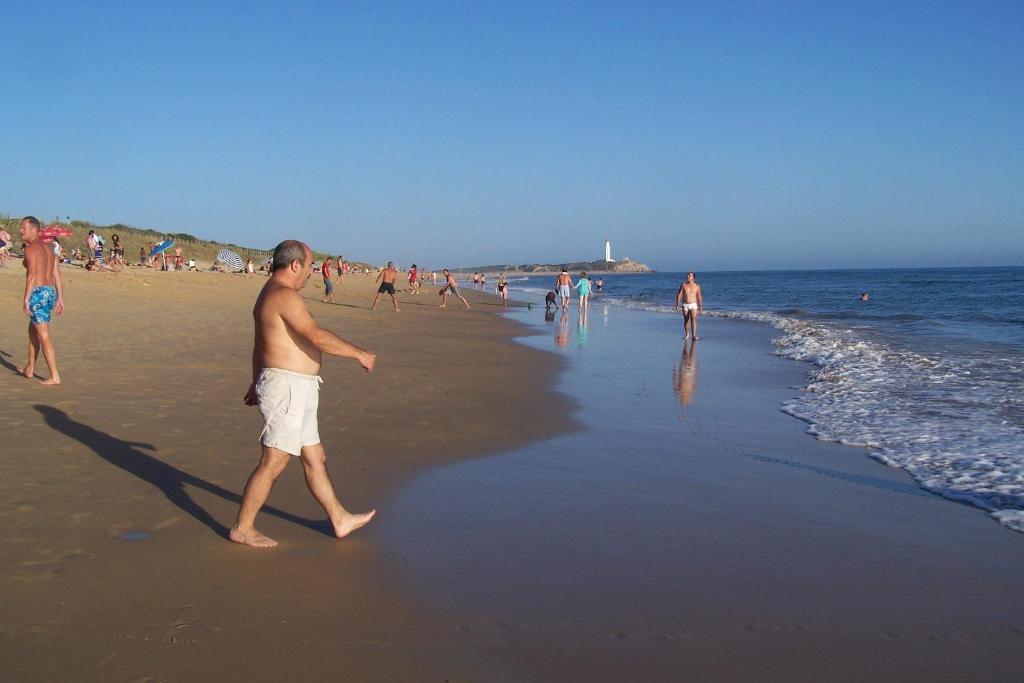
[582, 331]
[129, 456]
[562, 333]
[684, 375]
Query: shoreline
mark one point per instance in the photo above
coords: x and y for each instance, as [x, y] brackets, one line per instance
[750, 550]
[800, 554]
[118, 495]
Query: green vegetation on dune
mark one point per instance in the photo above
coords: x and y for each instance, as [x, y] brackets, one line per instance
[132, 239]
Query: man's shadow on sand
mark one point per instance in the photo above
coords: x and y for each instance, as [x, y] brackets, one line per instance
[8, 364]
[169, 479]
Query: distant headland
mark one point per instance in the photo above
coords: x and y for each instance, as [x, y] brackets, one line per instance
[625, 265]
[605, 265]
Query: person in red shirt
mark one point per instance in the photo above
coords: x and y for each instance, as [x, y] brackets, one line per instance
[325, 270]
[414, 279]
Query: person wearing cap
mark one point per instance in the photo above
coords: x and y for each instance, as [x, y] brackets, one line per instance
[564, 286]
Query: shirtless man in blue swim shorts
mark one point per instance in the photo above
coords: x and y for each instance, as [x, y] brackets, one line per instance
[286, 358]
[44, 296]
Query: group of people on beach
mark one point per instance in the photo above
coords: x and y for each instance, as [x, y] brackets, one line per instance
[285, 386]
[287, 354]
[564, 287]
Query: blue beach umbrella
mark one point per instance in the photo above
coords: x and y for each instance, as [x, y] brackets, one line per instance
[162, 247]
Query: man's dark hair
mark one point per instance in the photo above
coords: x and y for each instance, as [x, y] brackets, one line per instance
[31, 220]
[288, 251]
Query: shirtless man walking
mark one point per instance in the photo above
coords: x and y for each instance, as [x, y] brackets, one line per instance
[451, 286]
[285, 361]
[691, 301]
[44, 295]
[563, 285]
[386, 279]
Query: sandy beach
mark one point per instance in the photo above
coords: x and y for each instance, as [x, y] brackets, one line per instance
[605, 511]
[119, 485]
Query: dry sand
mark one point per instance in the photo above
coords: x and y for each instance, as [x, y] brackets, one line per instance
[117, 487]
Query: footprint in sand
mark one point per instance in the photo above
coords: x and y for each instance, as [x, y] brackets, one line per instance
[34, 577]
[118, 528]
[169, 522]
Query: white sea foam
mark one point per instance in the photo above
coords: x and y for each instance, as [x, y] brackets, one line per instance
[952, 421]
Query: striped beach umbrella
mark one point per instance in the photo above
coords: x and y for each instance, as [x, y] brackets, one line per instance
[230, 259]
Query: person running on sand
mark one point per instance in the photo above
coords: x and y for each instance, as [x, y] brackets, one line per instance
[386, 279]
[325, 271]
[563, 285]
[285, 386]
[583, 288]
[450, 287]
[502, 285]
[44, 295]
[691, 300]
[414, 280]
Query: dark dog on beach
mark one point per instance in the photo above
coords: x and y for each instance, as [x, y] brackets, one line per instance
[549, 301]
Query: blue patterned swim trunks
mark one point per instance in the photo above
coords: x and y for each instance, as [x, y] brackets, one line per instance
[40, 304]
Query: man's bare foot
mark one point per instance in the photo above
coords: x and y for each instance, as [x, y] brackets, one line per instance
[686, 336]
[251, 537]
[696, 338]
[27, 372]
[53, 381]
[442, 306]
[350, 523]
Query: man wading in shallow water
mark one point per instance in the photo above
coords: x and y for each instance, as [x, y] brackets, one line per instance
[691, 300]
[44, 295]
[285, 361]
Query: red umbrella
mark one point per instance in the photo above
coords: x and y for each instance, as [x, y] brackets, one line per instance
[48, 233]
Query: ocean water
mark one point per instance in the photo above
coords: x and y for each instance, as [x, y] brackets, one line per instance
[928, 374]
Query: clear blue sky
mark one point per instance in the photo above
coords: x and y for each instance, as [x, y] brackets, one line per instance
[695, 135]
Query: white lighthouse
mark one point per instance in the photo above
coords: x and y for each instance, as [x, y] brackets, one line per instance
[608, 251]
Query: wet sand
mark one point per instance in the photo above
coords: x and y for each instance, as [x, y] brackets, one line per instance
[692, 531]
[118, 487]
[693, 539]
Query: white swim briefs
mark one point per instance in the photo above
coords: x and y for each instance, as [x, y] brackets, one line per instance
[288, 402]
[689, 307]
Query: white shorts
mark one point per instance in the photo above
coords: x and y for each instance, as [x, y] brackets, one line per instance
[288, 402]
[564, 291]
[689, 307]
